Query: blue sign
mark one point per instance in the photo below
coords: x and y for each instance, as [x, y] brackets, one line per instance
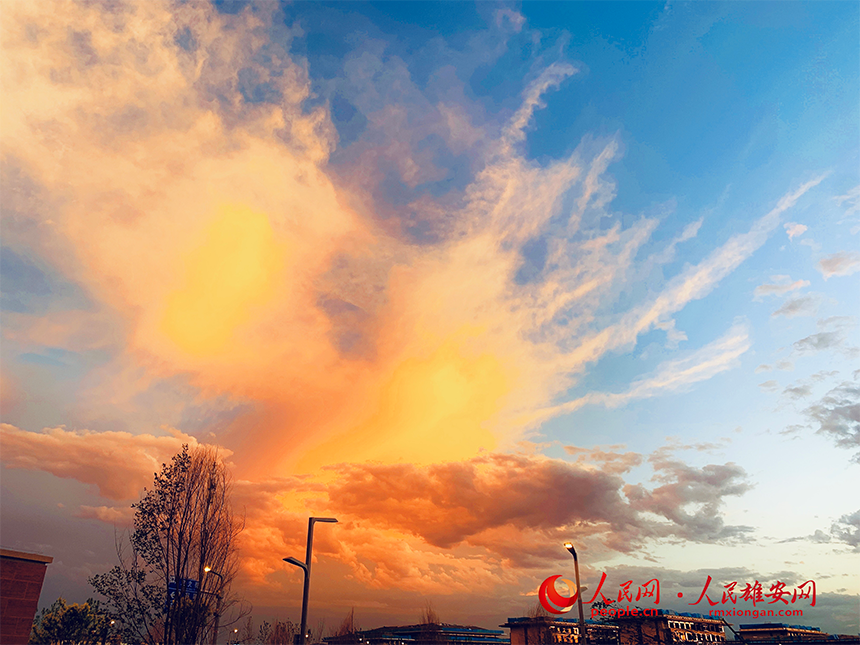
[187, 586]
[191, 588]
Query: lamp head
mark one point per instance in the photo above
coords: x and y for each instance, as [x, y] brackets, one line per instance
[207, 569]
[569, 547]
[297, 563]
[324, 519]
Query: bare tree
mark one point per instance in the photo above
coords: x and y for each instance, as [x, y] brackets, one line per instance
[348, 630]
[347, 626]
[537, 610]
[281, 633]
[175, 586]
[315, 635]
[429, 615]
[430, 632]
[539, 631]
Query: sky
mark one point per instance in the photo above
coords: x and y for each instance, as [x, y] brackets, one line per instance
[475, 279]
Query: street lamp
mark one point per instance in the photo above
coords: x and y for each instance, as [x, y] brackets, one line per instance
[208, 569]
[569, 547]
[306, 567]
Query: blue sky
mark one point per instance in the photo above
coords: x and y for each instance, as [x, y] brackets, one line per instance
[614, 245]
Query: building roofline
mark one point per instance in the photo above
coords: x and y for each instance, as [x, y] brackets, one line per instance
[549, 620]
[29, 557]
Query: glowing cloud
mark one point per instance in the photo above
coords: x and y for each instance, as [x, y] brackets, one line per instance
[232, 272]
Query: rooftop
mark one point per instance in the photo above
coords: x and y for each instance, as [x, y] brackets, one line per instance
[21, 555]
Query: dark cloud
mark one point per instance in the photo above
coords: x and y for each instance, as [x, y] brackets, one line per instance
[837, 415]
[691, 497]
[847, 529]
[448, 503]
[503, 502]
[838, 614]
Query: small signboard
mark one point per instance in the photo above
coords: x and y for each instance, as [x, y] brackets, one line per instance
[191, 588]
[186, 586]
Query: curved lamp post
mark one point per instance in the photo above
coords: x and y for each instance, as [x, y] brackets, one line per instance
[217, 607]
[306, 567]
[569, 547]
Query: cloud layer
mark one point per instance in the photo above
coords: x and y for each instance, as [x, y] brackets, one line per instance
[368, 317]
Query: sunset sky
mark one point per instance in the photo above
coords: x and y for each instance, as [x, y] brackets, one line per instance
[475, 279]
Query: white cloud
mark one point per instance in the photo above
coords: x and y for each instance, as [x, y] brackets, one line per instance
[670, 376]
[851, 200]
[794, 230]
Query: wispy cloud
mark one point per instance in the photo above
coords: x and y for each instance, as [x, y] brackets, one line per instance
[780, 285]
[839, 264]
[800, 306]
[850, 200]
[671, 376]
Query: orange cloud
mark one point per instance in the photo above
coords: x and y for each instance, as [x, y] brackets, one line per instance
[441, 528]
[119, 464]
[230, 274]
[10, 395]
[443, 400]
[403, 346]
[221, 247]
[117, 515]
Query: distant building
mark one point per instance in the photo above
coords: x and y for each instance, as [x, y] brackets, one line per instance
[21, 577]
[432, 634]
[781, 631]
[548, 630]
[669, 627]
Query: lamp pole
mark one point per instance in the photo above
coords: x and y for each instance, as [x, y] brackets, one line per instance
[306, 567]
[569, 547]
[217, 606]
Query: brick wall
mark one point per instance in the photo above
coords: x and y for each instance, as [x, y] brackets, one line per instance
[21, 576]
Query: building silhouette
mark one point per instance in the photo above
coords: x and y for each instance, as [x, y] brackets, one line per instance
[21, 577]
[548, 630]
[780, 633]
[422, 634]
[668, 626]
